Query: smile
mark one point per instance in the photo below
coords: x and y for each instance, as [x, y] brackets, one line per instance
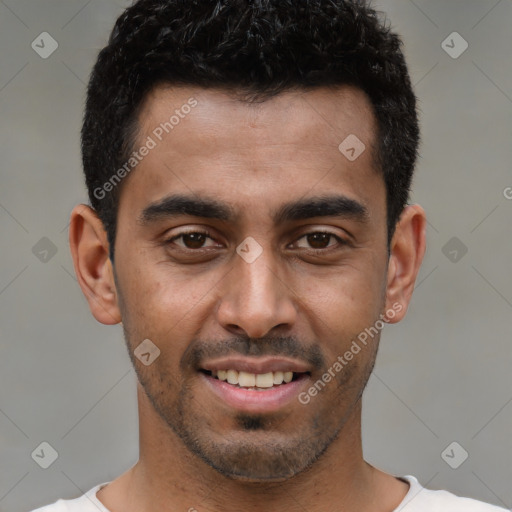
[255, 392]
[254, 381]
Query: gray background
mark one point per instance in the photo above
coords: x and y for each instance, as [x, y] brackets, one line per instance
[443, 374]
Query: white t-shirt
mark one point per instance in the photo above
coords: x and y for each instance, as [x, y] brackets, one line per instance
[418, 499]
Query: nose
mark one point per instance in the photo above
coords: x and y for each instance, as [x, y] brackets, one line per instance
[256, 298]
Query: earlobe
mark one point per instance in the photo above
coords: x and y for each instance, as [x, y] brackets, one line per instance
[93, 268]
[406, 254]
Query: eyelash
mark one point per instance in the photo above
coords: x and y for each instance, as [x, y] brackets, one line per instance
[340, 241]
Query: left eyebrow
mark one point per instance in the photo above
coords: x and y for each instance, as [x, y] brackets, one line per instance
[321, 206]
[318, 206]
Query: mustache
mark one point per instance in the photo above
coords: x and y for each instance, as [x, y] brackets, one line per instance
[284, 346]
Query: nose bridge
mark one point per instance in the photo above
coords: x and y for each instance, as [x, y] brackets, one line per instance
[256, 300]
[257, 287]
[258, 278]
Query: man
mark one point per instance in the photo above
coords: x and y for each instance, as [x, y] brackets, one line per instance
[248, 165]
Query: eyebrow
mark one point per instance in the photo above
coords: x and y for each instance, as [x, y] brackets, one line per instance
[319, 206]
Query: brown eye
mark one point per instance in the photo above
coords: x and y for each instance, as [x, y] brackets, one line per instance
[319, 240]
[193, 240]
[190, 240]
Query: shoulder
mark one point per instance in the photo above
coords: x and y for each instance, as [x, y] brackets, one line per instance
[420, 499]
[88, 502]
[58, 506]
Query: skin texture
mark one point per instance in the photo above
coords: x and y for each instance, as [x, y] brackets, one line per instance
[197, 298]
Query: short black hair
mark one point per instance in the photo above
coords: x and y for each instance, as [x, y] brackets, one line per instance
[256, 47]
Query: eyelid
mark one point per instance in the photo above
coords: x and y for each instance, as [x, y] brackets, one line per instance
[202, 231]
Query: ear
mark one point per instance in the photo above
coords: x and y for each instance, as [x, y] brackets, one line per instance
[93, 268]
[406, 254]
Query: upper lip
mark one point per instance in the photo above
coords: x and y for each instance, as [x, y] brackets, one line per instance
[256, 365]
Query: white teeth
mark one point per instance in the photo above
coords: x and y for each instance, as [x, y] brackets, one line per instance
[253, 380]
[278, 377]
[232, 376]
[246, 380]
[264, 380]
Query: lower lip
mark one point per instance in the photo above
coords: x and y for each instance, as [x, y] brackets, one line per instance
[272, 399]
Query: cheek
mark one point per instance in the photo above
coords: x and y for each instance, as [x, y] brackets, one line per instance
[141, 299]
[347, 293]
[162, 300]
[342, 307]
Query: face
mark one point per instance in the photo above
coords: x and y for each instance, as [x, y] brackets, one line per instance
[248, 242]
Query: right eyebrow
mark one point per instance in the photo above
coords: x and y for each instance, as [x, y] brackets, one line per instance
[180, 204]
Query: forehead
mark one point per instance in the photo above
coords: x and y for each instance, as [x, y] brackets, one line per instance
[209, 143]
[317, 116]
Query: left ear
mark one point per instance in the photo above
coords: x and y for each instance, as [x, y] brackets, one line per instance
[406, 254]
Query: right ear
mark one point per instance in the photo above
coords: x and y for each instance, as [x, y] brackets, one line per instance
[93, 268]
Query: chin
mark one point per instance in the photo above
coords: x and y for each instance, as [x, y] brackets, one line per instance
[264, 463]
[263, 472]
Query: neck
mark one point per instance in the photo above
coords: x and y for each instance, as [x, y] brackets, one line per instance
[168, 477]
